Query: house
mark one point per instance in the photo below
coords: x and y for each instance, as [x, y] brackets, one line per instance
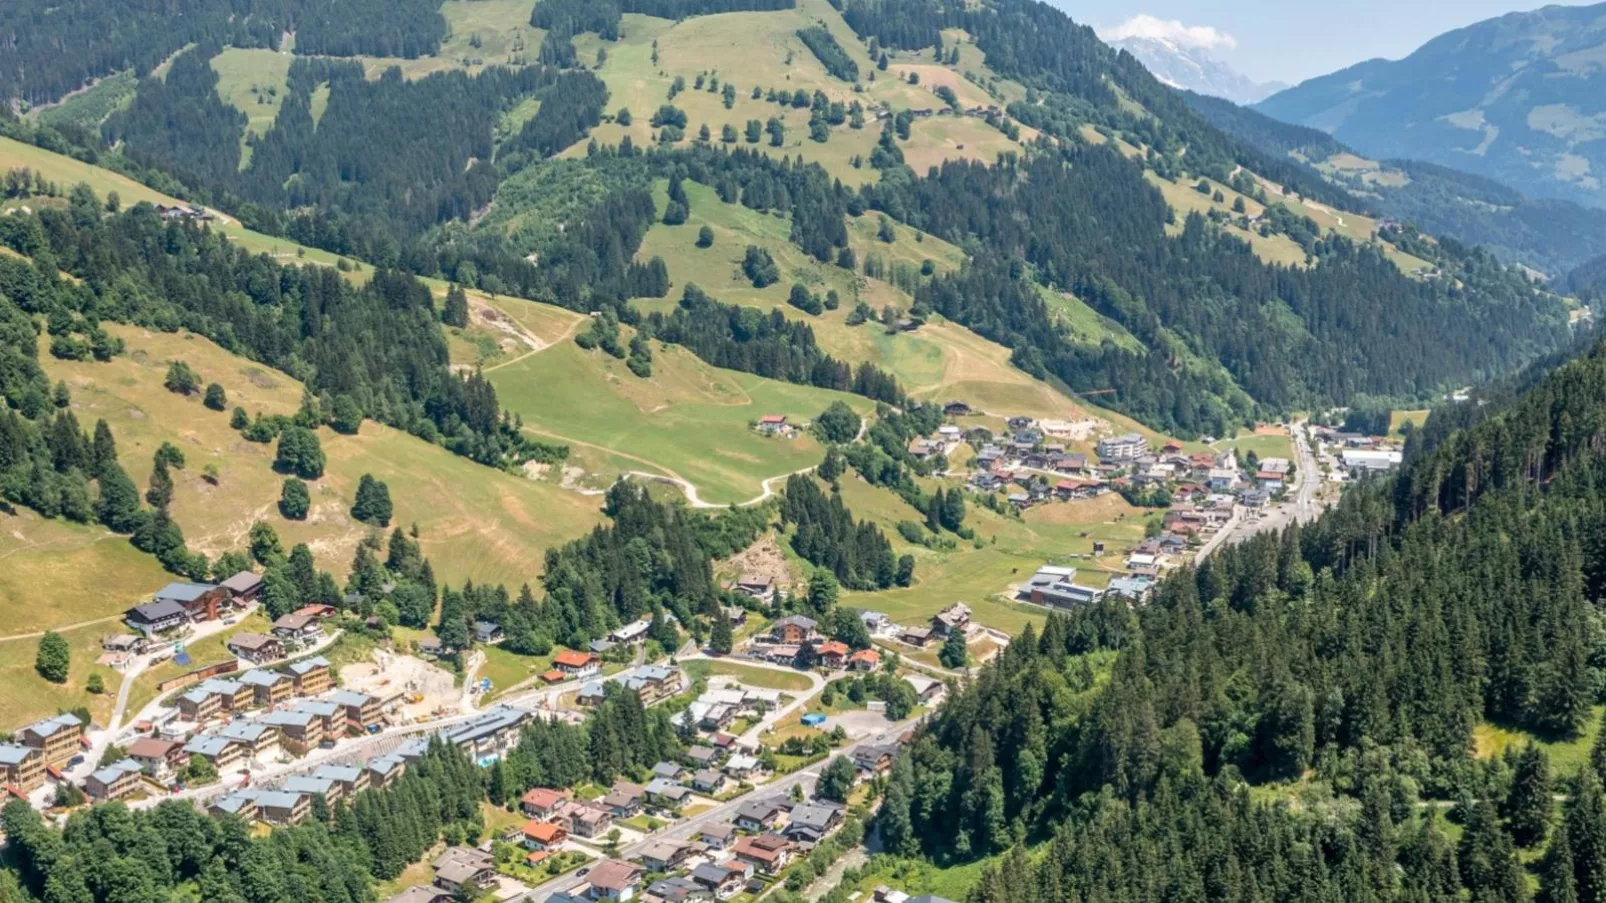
[666, 793]
[735, 616]
[259, 739]
[223, 753]
[702, 756]
[1135, 589]
[591, 694]
[1127, 447]
[160, 759]
[782, 654]
[311, 675]
[421, 894]
[924, 448]
[708, 781]
[156, 618]
[876, 760]
[1069, 463]
[431, 648]
[755, 586]
[362, 710]
[349, 778]
[956, 409]
[21, 767]
[740, 767]
[724, 880]
[768, 853]
[794, 629]
[299, 731]
[243, 588]
[577, 664]
[323, 611]
[925, 688]
[542, 802]
[614, 879]
[663, 855]
[115, 781]
[464, 871]
[256, 648]
[1141, 560]
[864, 660]
[200, 601]
[676, 890]
[669, 771]
[242, 804]
[487, 632]
[915, 636]
[314, 786]
[653, 682]
[492, 733]
[625, 799]
[771, 424]
[268, 687]
[57, 738]
[810, 823]
[717, 836]
[582, 819]
[875, 621]
[953, 619]
[832, 653]
[331, 715]
[543, 835]
[1254, 499]
[199, 705]
[298, 627]
[758, 815]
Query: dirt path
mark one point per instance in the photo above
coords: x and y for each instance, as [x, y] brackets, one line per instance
[535, 342]
[60, 629]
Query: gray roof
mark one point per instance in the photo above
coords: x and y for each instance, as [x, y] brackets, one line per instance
[309, 784]
[45, 727]
[321, 708]
[183, 592]
[386, 764]
[492, 722]
[261, 677]
[345, 774]
[245, 731]
[112, 772]
[234, 802]
[278, 799]
[242, 582]
[209, 745]
[665, 787]
[14, 753]
[309, 664]
[350, 697]
[817, 817]
[667, 770]
[160, 610]
[297, 718]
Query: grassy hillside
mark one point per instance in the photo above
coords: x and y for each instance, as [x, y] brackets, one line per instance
[474, 522]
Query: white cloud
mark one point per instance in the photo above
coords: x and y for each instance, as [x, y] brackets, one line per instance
[1143, 25]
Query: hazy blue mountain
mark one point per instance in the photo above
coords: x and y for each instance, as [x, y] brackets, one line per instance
[1194, 69]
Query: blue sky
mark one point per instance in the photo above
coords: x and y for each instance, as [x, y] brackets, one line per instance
[1294, 40]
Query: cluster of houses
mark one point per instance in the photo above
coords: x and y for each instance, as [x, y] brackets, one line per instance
[650, 683]
[176, 607]
[796, 640]
[41, 750]
[180, 213]
[484, 737]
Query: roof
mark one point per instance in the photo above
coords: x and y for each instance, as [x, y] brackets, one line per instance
[665, 787]
[320, 707]
[350, 697]
[655, 672]
[261, 677]
[15, 753]
[832, 647]
[245, 731]
[158, 611]
[541, 831]
[251, 640]
[234, 802]
[308, 665]
[772, 418]
[386, 764]
[572, 659]
[151, 748]
[45, 727]
[543, 797]
[813, 816]
[920, 684]
[294, 622]
[493, 721]
[210, 745]
[243, 582]
[420, 894]
[798, 620]
[708, 776]
[614, 874]
[723, 829]
[759, 810]
[198, 696]
[309, 784]
[112, 772]
[183, 592]
[296, 718]
[345, 774]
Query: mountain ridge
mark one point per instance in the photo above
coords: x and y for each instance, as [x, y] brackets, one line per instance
[1195, 69]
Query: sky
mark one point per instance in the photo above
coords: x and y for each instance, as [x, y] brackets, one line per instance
[1292, 40]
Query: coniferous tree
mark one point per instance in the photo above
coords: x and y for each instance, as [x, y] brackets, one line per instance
[1528, 804]
[372, 505]
[54, 658]
[294, 500]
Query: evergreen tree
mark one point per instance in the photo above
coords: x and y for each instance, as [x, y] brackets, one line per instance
[719, 637]
[54, 657]
[954, 652]
[299, 453]
[455, 310]
[118, 506]
[294, 500]
[160, 492]
[372, 505]
[1528, 803]
[216, 398]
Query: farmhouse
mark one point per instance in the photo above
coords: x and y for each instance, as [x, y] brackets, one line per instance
[953, 619]
[464, 871]
[156, 618]
[772, 424]
[256, 648]
[200, 601]
[243, 588]
[298, 627]
[794, 629]
[577, 664]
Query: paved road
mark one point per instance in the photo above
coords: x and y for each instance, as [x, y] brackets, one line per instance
[687, 829]
[1302, 505]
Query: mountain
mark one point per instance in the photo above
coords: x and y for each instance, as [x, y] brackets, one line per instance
[1548, 235]
[1194, 69]
[1520, 99]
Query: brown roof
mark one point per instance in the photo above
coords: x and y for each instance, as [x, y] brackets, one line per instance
[293, 622]
[245, 581]
[613, 874]
[543, 797]
[251, 640]
[151, 748]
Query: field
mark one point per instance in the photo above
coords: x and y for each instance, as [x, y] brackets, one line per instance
[474, 522]
[1398, 420]
[1265, 442]
[1566, 756]
[762, 49]
[765, 678]
[688, 421]
[89, 107]
[255, 81]
[54, 573]
[68, 172]
[1010, 551]
[501, 28]
[26, 697]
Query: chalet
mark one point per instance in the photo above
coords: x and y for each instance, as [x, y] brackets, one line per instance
[236, 696]
[385, 770]
[708, 716]
[809, 824]
[283, 807]
[628, 634]
[1069, 463]
[431, 648]
[269, 687]
[577, 664]
[708, 781]
[875, 760]
[757, 815]
[1254, 499]
[717, 836]
[735, 615]
[725, 879]
[21, 767]
[243, 588]
[768, 853]
[259, 739]
[755, 586]
[362, 710]
[256, 648]
[160, 759]
[956, 409]
[200, 601]
[953, 619]
[543, 836]
[874, 621]
[242, 804]
[832, 653]
[780, 654]
[222, 752]
[542, 802]
[582, 819]
[669, 771]
[651, 683]
[591, 694]
[794, 629]
[298, 627]
[677, 890]
[315, 787]
[331, 715]
[614, 879]
[156, 618]
[664, 855]
[666, 793]
[464, 871]
[864, 660]
[703, 756]
[199, 705]
[311, 675]
[772, 424]
[351, 779]
[924, 448]
[1135, 589]
[625, 799]
[915, 636]
[299, 731]
[322, 611]
[926, 689]
[985, 482]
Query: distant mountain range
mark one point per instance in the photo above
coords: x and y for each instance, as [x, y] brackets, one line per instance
[1520, 98]
[1194, 69]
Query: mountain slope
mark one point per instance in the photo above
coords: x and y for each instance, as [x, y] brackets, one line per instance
[1194, 69]
[1520, 98]
[1550, 235]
